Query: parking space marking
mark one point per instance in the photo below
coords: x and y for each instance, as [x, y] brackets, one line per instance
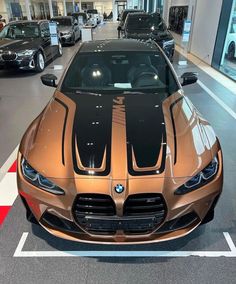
[217, 99]
[9, 162]
[57, 253]
[229, 241]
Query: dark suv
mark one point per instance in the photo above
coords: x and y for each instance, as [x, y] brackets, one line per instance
[27, 45]
[122, 18]
[146, 26]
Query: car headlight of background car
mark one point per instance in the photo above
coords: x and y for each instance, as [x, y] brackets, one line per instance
[32, 176]
[27, 52]
[202, 178]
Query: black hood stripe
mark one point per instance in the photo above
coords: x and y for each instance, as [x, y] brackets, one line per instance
[64, 130]
[146, 133]
[174, 129]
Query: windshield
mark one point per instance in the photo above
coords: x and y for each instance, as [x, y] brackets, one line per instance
[20, 30]
[116, 71]
[93, 11]
[125, 13]
[63, 21]
[145, 22]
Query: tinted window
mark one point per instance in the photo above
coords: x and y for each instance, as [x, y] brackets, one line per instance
[93, 11]
[120, 71]
[20, 30]
[45, 30]
[143, 22]
[62, 21]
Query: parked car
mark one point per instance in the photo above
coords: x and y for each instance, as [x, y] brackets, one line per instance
[122, 18]
[120, 154]
[69, 29]
[231, 40]
[78, 15]
[146, 26]
[27, 45]
[93, 13]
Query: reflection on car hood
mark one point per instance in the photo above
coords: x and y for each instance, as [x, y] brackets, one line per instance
[17, 44]
[119, 137]
[65, 29]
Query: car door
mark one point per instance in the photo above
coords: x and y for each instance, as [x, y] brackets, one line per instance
[49, 50]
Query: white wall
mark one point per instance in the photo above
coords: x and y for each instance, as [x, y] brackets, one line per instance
[207, 15]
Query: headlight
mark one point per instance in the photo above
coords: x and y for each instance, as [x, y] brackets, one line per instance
[202, 178]
[38, 180]
[168, 43]
[27, 52]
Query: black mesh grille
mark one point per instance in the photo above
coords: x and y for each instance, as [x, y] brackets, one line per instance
[96, 213]
[94, 204]
[9, 56]
[145, 204]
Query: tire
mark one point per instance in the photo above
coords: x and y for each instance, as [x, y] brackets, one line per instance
[39, 62]
[231, 51]
[73, 40]
[60, 52]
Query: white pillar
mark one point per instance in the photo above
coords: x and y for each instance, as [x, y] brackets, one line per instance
[73, 3]
[64, 8]
[154, 9]
[142, 4]
[147, 6]
[114, 11]
[27, 7]
[50, 8]
[80, 5]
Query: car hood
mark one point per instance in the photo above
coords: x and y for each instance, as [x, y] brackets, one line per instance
[65, 29]
[16, 45]
[119, 137]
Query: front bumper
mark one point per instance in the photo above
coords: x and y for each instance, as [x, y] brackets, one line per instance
[182, 215]
[67, 39]
[25, 63]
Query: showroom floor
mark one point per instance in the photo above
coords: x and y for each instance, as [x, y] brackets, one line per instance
[28, 254]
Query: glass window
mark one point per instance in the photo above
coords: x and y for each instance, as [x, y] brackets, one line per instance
[228, 61]
[20, 30]
[145, 22]
[45, 30]
[116, 71]
[63, 21]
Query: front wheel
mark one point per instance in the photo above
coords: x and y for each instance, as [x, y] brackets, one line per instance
[231, 51]
[60, 52]
[39, 62]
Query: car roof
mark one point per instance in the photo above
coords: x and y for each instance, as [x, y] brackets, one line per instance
[115, 45]
[62, 17]
[27, 21]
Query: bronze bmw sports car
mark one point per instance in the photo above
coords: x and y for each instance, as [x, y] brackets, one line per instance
[120, 154]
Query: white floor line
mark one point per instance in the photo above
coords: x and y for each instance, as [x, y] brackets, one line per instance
[217, 99]
[229, 241]
[5, 167]
[54, 253]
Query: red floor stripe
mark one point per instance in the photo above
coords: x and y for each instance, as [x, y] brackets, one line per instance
[12, 168]
[3, 213]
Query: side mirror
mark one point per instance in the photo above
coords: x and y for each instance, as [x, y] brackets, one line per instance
[189, 78]
[119, 28]
[49, 80]
[75, 23]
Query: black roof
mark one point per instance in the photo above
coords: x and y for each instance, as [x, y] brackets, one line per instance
[117, 45]
[28, 21]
